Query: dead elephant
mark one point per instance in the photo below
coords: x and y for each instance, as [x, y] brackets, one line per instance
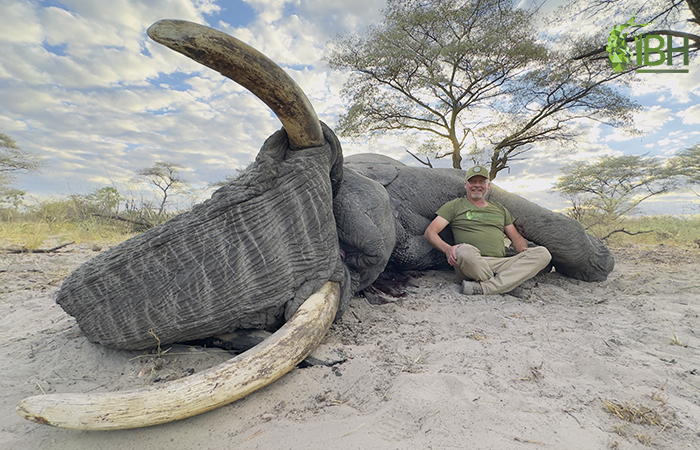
[263, 253]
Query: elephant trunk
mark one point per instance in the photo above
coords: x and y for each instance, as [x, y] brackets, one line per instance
[575, 253]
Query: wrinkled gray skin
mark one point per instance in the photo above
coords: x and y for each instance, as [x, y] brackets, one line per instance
[246, 258]
[249, 256]
[416, 193]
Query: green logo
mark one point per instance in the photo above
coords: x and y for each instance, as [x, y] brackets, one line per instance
[645, 47]
[617, 49]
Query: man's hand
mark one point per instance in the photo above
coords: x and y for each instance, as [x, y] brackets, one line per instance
[451, 254]
[432, 235]
[519, 242]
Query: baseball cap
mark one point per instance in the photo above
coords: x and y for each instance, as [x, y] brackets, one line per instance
[477, 170]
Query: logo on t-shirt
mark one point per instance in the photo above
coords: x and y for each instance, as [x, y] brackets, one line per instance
[489, 217]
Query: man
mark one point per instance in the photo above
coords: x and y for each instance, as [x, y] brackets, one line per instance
[478, 255]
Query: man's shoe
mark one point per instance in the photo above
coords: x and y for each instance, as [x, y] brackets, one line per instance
[472, 288]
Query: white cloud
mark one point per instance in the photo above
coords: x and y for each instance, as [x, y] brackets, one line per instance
[691, 115]
[19, 23]
[679, 87]
[84, 86]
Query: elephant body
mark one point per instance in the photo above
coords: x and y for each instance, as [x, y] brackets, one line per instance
[416, 193]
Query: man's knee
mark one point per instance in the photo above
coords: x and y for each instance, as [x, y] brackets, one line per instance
[542, 254]
[471, 265]
[467, 252]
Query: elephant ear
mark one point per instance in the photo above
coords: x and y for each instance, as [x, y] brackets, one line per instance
[249, 68]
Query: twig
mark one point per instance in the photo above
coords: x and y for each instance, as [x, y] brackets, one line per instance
[688, 287]
[351, 432]
[622, 230]
[429, 164]
[15, 251]
[253, 435]
[123, 219]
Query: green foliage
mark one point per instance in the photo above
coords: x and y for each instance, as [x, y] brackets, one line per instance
[106, 199]
[687, 164]
[603, 191]
[13, 160]
[79, 218]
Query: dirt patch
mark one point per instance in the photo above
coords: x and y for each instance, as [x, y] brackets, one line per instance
[570, 367]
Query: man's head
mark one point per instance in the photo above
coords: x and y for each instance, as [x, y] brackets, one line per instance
[477, 183]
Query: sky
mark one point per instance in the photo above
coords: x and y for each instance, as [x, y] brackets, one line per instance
[82, 85]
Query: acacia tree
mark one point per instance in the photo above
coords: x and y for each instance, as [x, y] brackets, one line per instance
[472, 74]
[13, 160]
[612, 186]
[686, 164]
[165, 176]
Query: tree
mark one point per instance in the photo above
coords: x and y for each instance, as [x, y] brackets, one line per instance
[165, 176]
[666, 17]
[471, 73]
[106, 200]
[612, 186]
[13, 160]
[686, 164]
[11, 197]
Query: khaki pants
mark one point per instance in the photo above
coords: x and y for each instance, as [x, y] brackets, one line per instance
[499, 275]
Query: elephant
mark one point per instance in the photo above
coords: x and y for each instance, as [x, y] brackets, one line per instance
[282, 248]
[416, 193]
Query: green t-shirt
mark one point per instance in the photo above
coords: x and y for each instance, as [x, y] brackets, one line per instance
[481, 227]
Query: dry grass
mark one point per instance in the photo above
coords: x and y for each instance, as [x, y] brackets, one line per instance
[675, 340]
[35, 235]
[668, 230]
[638, 414]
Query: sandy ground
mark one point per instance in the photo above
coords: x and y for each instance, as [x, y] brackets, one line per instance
[431, 370]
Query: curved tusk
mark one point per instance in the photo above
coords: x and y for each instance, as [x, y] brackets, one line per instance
[249, 68]
[200, 392]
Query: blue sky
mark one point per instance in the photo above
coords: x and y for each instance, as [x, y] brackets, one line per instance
[82, 85]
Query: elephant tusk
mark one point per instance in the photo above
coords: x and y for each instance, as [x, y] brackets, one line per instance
[197, 393]
[249, 68]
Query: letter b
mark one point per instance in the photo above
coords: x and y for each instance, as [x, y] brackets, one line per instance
[648, 50]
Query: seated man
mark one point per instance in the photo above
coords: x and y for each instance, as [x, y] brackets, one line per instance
[478, 255]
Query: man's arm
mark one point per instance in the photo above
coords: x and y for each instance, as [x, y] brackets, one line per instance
[431, 235]
[519, 242]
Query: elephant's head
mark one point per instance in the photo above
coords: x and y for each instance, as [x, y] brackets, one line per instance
[249, 257]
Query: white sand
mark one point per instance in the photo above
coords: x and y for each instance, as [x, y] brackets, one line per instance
[434, 369]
